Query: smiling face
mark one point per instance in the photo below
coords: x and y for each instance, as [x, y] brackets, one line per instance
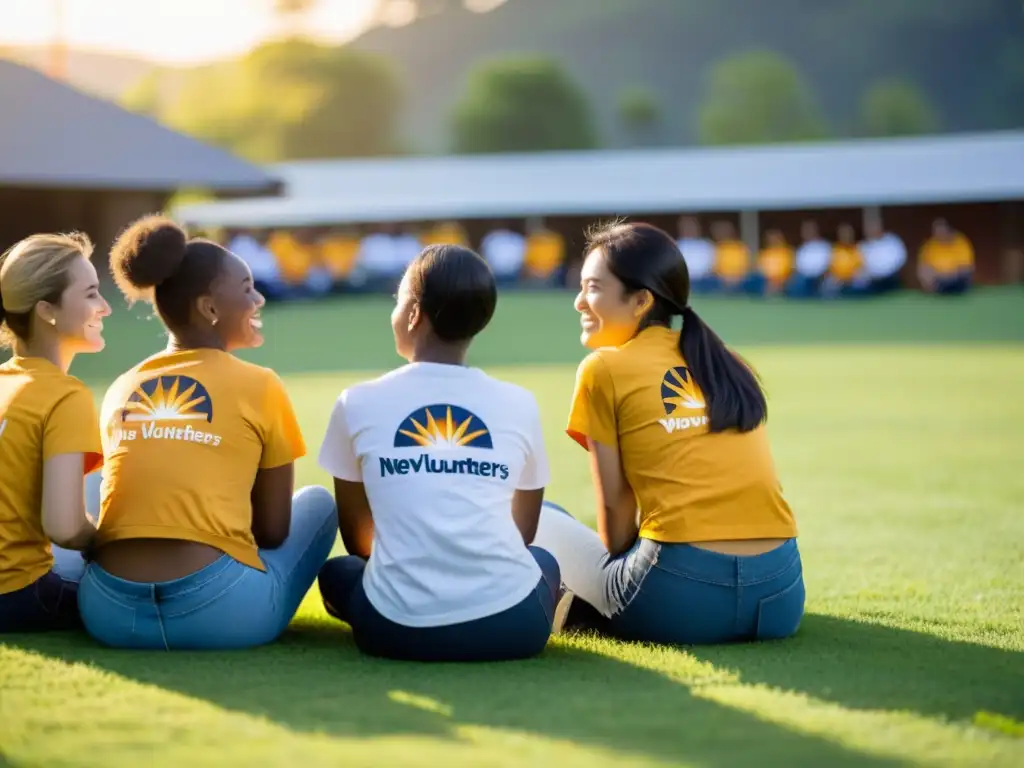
[609, 315]
[78, 318]
[238, 305]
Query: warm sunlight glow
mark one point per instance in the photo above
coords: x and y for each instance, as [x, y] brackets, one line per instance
[169, 31]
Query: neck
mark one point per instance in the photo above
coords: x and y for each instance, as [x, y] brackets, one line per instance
[442, 354]
[182, 341]
[47, 349]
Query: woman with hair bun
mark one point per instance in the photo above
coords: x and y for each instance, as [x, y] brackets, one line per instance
[50, 310]
[201, 544]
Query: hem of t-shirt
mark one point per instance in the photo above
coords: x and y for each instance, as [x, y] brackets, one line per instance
[243, 553]
[722, 533]
[344, 476]
[24, 578]
[461, 616]
[275, 464]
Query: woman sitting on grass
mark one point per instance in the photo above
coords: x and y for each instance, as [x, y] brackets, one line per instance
[200, 543]
[695, 542]
[50, 310]
[439, 478]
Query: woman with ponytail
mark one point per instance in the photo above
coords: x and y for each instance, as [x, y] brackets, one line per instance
[695, 542]
[50, 311]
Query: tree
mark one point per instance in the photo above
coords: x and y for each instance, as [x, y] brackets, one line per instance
[289, 100]
[895, 107]
[521, 104]
[758, 97]
[639, 112]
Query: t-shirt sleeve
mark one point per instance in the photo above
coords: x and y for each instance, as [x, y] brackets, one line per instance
[337, 453]
[536, 472]
[592, 412]
[73, 426]
[282, 437]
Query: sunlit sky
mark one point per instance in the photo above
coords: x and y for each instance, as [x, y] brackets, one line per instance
[169, 31]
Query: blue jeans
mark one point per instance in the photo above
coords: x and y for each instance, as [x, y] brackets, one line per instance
[675, 594]
[224, 605]
[516, 633]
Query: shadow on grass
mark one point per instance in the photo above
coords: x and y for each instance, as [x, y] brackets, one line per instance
[871, 666]
[314, 680]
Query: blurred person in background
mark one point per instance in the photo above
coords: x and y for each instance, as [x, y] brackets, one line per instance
[945, 263]
[201, 542]
[732, 258]
[545, 254]
[884, 257]
[301, 273]
[847, 275]
[50, 311]
[250, 246]
[379, 261]
[812, 262]
[339, 250]
[699, 253]
[774, 265]
[505, 250]
[444, 232]
[439, 474]
[407, 247]
[695, 542]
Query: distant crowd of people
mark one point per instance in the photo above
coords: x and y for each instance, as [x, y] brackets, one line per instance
[819, 267]
[317, 261]
[309, 262]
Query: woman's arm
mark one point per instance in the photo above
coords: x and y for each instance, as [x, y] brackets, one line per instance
[63, 505]
[526, 507]
[354, 519]
[272, 505]
[616, 503]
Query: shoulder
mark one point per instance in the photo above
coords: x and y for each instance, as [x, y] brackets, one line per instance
[511, 395]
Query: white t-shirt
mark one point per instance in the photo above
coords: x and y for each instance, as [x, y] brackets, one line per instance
[505, 251]
[813, 258]
[699, 255]
[440, 450]
[884, 256]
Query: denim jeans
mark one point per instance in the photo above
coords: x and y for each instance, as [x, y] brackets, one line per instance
[516, 633]
[674, 594]
[224, 605]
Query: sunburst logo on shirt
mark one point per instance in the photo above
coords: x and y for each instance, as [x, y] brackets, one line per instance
[169, 398]
[442, 426]
[679, 390]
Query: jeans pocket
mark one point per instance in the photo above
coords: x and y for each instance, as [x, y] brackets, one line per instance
[779, 615]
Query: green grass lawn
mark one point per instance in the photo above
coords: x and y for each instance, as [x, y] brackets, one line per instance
[899, 438]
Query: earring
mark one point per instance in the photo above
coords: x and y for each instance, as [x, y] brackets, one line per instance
[53, 321]
[214, 321]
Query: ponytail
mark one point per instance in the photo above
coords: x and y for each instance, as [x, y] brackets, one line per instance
[732, 392]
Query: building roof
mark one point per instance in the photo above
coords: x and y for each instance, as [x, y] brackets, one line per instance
[54, 136]
[941, 169]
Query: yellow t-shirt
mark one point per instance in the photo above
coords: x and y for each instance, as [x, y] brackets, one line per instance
[948, 257]
[43, 413]
[847, 262]
[545, 251]
[776, 263]
[690, 485]
[184, 434]
[339, 255]
[293, 257]
[732, 259]
[445, 234]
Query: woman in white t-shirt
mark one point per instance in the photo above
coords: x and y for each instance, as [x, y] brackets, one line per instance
[439, 477]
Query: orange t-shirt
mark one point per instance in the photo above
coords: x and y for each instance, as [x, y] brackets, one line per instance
[847, 262]
[776, 263]
[545, 251]
[690, 485]
[949, 257]
[184, 435]
[339, 253]
[44, 412]
[732, 259]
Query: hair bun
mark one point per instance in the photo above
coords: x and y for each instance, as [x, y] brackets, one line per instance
[147, 253]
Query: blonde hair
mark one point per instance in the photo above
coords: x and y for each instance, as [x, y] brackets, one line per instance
[33, 270]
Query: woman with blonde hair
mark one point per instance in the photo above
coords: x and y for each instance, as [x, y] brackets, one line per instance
[50, 310]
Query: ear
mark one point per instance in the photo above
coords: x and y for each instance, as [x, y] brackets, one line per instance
[46, 312]
[415, 316]
[207, 309]
[643, 300]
